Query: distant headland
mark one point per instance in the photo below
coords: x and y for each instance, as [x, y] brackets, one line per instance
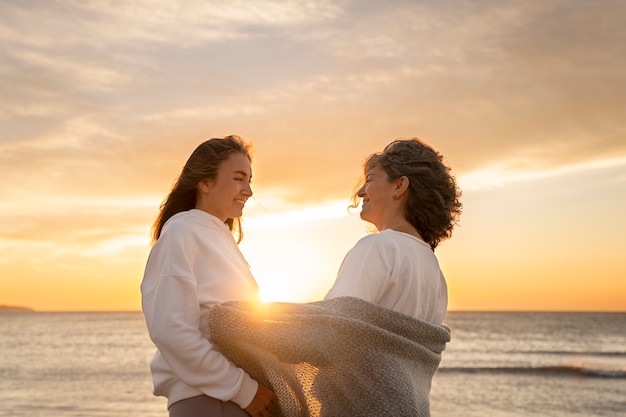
[17, 309]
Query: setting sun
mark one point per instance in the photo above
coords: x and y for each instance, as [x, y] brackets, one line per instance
[295, 255]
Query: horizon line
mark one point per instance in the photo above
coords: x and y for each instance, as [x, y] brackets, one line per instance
[11, 309]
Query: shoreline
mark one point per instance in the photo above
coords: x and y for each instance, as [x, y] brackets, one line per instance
[15, 309]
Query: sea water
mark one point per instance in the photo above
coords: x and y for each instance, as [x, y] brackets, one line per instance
[532, 364]
[497, 365]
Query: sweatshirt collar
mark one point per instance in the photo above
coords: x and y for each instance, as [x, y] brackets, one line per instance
[208, 216]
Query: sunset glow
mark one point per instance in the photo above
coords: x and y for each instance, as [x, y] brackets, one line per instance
[102, 104]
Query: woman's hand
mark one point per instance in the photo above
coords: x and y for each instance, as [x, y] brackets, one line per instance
[264, 400]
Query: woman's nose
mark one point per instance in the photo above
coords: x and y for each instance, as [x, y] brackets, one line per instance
[361, 192]
[248, 190]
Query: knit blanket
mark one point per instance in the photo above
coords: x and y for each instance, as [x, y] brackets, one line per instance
[343, 357]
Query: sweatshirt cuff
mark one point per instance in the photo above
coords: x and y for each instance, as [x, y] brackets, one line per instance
[247, 392]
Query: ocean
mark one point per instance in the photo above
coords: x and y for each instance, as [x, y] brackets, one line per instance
[497, 365]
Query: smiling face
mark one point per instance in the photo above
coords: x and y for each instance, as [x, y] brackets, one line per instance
[377, 194]
[225, 196]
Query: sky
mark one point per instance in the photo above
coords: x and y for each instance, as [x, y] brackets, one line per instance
[102, 102]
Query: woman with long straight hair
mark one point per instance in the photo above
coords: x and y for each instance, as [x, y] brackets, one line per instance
[194, 264]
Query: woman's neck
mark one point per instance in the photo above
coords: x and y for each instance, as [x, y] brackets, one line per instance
[402, 226]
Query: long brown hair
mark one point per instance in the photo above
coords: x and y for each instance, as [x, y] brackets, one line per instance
[434, 205]
[201, 165]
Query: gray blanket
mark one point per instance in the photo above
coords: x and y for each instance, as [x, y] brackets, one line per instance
[336, 358]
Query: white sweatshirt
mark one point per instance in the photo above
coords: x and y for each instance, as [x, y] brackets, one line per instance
[397, 271]
[195, 264]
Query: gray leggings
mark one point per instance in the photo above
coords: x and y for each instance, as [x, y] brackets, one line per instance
[203, 406]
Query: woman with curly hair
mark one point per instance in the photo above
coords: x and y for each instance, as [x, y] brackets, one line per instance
[373, 345]
[412, 199]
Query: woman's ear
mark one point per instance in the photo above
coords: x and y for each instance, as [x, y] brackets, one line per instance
[205, 186]
[402, 185]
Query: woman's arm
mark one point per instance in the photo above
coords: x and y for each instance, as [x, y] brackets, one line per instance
[172, 313]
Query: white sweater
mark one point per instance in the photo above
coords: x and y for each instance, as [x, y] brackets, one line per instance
[397, 271]
[194, 265]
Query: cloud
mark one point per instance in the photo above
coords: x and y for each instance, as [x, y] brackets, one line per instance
[151, 21]
[501, 175]
[282, 214]
[118, 94]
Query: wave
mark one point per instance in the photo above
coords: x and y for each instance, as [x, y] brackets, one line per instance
[569, 352]
[576, 370]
